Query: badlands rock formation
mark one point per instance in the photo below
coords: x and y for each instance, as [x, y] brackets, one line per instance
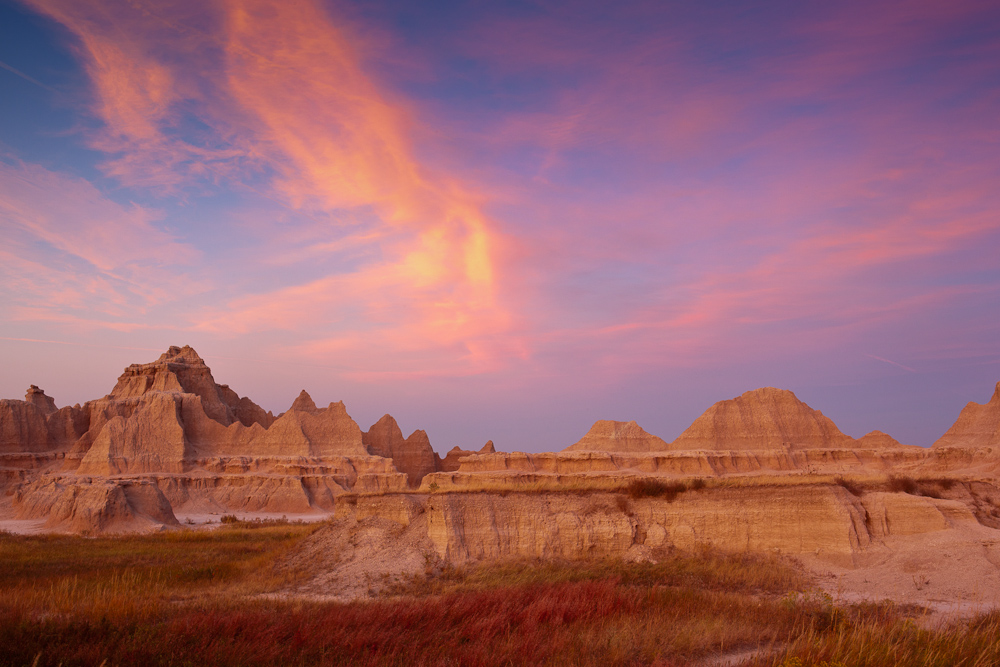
[200, 445]
[453, 460]
[762, 419]
[412, 456]
[878, 440]
[830, 528]
[761, 472]
[611, 436]
[977, 426]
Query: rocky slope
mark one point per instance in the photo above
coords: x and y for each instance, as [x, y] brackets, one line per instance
[762, 419]
[412, 456]
[978, 425]
[611, 436]
[376, 539]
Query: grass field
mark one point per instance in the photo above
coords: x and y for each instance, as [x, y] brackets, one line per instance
[196, 598]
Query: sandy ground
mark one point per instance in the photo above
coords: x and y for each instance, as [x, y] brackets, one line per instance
[195, 520]
[953, 573]
[360, 559]
[23, 526]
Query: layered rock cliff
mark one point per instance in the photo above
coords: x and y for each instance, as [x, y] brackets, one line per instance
[412, 456]
[169, 423]
[822, 521]
[168, 437]
[453, 460]
[181, 370]
[611, 436]
[762, 419]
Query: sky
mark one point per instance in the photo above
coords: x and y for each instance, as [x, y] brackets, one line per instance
[508, 220]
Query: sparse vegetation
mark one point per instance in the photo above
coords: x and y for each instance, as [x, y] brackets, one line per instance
[881, 635]
[902, 484]
[852, 487]
[208, 597]
[649, 487]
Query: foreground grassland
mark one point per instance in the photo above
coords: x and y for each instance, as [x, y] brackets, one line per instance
[200, 598]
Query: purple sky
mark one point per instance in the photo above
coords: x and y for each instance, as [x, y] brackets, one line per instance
[508, 220]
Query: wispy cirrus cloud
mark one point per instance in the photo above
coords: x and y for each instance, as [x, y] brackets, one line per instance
[71, 252]
[275, 100]
[660, 182]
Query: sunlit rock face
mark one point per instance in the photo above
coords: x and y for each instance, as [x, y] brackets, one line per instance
[202, 444]
[978, 425]
[453, 460]
[181, 370]
[613, 436]
[169, 438]
[762, 419]
[412, 456]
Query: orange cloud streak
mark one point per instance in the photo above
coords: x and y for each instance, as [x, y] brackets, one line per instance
[285, 92]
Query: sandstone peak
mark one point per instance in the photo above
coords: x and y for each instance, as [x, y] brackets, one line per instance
[878, 440]
[488, 448]
[412, 456]
[181, 370]
[180, 355]
[37, 397]
[978, 425]
[614, 436]
[765, 418]
[304, 403]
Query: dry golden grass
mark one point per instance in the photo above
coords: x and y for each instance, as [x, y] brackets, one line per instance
[193, 598]
[126, 574]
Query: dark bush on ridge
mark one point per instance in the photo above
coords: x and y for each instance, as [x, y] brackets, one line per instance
[654, 488]
[935, 488]
[901, 484]
[853, 488]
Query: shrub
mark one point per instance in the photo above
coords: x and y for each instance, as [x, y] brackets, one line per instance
[852, 487]
[901, 484]
[652, 488]
[929, 489]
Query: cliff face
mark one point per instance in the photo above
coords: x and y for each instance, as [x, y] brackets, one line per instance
[762, 419]
[977, 425]
[181, 370]
[412, 456]
[204, 445]
[168, 437]
[821, 521]
[453, 460]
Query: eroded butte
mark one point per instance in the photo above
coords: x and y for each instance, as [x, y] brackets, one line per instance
[762, 472]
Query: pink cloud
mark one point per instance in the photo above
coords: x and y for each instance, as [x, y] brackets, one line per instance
[81, 251]
[671, 208]
[287, 91]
